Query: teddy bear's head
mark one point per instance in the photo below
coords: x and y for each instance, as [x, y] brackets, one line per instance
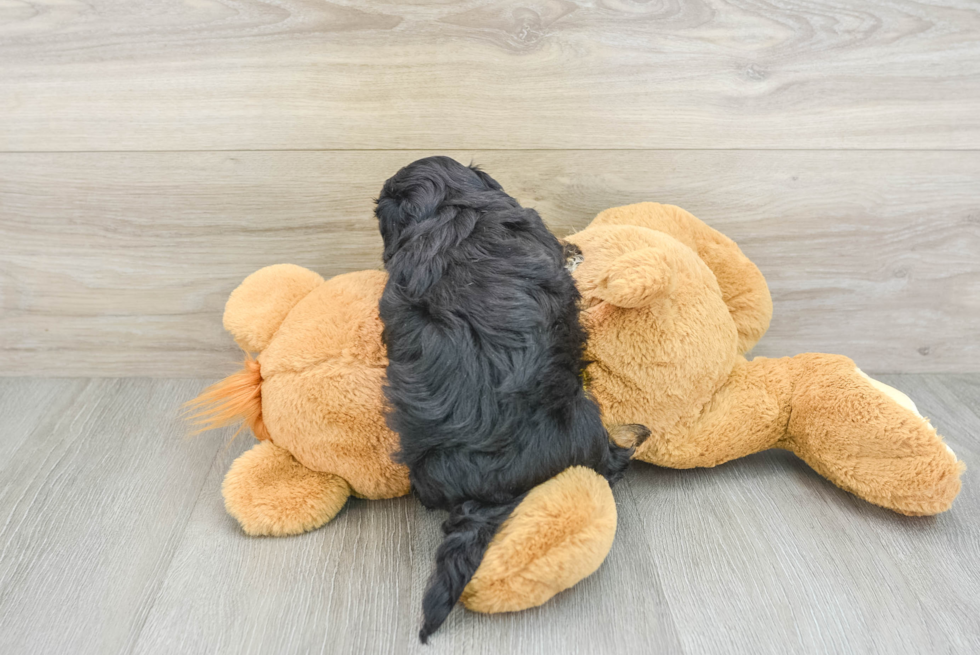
[660, 333]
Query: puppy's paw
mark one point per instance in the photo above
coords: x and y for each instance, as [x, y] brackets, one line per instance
[628, 435]
[573, 256]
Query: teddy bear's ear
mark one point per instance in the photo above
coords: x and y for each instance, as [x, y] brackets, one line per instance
[636, 279]
[257, 308]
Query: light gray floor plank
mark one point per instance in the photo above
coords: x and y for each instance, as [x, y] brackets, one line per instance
[763, 555]
[355, 586]
[113, 539]
[92, 504]
[25, 403]
[342, 587]
[120, 263]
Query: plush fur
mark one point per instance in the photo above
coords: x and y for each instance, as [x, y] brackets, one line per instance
[271, 494]
[485, 359]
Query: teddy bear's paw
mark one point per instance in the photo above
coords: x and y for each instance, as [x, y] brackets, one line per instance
[901, 399]
[932, 480]
[269, 493]
[636, 279]
[556, 537]
[870, 439]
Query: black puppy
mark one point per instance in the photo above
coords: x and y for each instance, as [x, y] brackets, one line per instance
[485, 360]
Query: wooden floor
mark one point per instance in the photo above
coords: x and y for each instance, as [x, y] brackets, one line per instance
[113, 539]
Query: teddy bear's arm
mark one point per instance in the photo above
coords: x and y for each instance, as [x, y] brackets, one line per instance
[742, 285]
[257, 308]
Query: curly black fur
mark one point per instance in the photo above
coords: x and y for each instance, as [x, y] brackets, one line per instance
[486, 355]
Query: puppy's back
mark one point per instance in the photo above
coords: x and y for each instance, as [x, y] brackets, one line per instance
[485, 358]
[482, 334]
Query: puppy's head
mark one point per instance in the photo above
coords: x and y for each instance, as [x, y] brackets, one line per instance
[431, 189]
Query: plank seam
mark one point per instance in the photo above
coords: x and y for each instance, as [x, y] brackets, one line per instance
[138, 634]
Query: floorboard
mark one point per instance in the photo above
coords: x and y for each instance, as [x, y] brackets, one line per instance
[92, 505]
[113, 539]
[27, 403]
[355, 586]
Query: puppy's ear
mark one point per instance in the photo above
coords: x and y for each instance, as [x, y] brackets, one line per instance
[636, 279]
[486, 179]
[410, 196]
[391, 222]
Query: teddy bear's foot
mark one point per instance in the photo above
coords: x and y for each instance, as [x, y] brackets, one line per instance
[270, 493]
[869, 439]
[557, 536]
[899, 398]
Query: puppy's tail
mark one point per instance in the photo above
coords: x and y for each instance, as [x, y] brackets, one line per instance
[469, 530]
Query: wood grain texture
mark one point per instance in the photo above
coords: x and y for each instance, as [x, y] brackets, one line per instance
[24, 404]
[945, 591]
[113, 539]
[120, 263]
[355, 586]
[92, 506]
[245, 74]
[767, 557]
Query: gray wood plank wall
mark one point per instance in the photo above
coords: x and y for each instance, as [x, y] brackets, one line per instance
[152, 154]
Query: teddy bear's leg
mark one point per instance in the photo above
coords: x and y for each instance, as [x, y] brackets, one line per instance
[257, 308]
[746, 415]
[868, 438]
[558, 535]
[270, 493]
